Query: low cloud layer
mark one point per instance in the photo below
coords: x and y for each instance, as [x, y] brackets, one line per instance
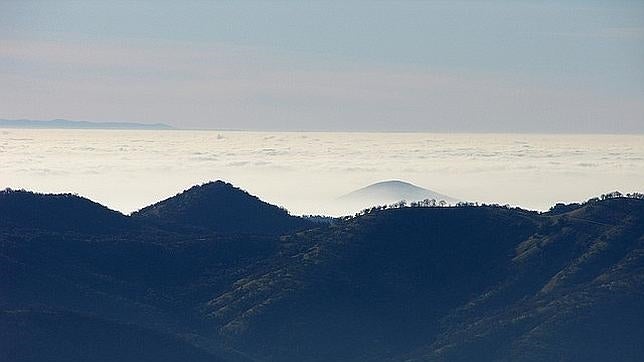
[306, 172]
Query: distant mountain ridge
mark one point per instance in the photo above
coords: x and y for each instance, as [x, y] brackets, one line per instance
[387, 192]
[67, 124]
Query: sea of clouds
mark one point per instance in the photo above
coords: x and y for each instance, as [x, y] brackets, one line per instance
[306, 172]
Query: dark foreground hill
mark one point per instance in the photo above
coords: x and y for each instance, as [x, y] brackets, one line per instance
[219, 206]
[451, 284]
[62, 212]
[411, 284]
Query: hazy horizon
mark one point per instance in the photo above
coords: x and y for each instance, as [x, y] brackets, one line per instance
[174, 128]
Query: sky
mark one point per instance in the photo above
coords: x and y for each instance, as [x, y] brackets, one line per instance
[434, 66]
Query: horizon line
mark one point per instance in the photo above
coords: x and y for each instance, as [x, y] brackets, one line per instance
[163, 126]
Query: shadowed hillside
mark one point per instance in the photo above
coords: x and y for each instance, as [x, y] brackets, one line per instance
[219, 206]
[33, 336]
[372, 287]
[483, 283]
[449, 284]
[573, 292]
[62, 212]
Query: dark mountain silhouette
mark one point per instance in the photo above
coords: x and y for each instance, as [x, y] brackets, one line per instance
[372, 287]
[219, 206]
[388, 192]
[23, 209]
[450, 284]
[483, 283]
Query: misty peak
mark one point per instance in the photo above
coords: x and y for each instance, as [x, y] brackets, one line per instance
[389, 191]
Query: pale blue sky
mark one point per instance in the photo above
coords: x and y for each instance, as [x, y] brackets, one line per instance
[461, 66]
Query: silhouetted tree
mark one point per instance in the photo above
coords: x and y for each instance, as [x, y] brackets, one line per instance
[611, 195]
